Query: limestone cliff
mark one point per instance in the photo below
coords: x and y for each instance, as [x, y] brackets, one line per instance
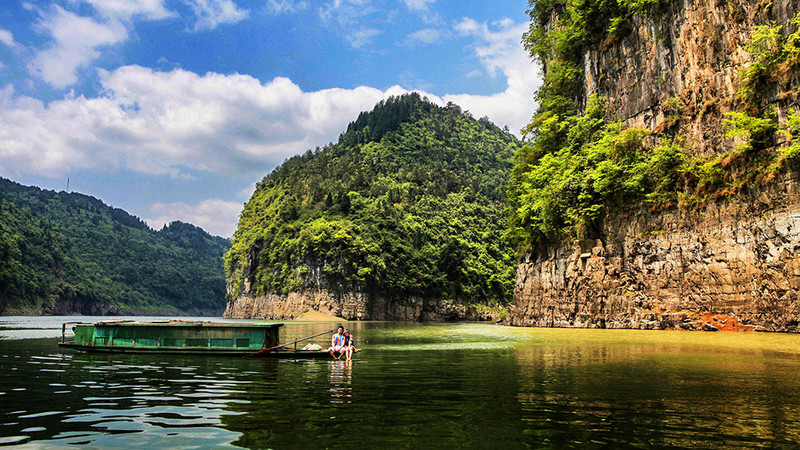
[732, 265]
[691, 50]
[729, 263]
[354, 306]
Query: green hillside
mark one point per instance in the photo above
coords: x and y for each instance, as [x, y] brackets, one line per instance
[71, 253]
[409, 202]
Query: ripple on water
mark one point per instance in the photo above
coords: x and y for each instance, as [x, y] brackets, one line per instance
[41, 414]
[449, 346]
[9, 440]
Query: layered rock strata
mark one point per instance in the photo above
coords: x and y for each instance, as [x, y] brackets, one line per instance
[734, 265]
[353, 306]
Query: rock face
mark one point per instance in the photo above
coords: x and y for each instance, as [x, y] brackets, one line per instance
[732, 265]
[352, 306]
[692, 51]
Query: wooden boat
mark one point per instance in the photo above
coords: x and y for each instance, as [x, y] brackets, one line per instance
[183, 337]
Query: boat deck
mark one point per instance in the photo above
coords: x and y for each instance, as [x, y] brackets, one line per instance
[182, 337]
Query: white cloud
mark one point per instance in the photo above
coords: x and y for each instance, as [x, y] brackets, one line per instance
[161, 122]
[76, 40]
[360, 38]
[347, 17]
[418, 5]
[212, 13]
[422, 8]
[166, 122]
[499, 50]
[126, 9]
[217, 217]
[278, 7]
[7, 38]
[425, 36]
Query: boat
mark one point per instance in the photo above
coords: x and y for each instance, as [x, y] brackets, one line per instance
[184, 337]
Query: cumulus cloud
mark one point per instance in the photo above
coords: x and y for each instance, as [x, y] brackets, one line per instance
[217, 217]
[76, 40]
[500, 52]
[161, 122]
[7, 38]
[212, 13]
[168, 122]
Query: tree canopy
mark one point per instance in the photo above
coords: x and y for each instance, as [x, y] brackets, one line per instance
[70, 252]
[410, 201]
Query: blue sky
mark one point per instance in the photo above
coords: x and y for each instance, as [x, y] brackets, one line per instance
[173, 109]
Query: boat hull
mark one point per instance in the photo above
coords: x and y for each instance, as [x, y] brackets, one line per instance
[288, 354]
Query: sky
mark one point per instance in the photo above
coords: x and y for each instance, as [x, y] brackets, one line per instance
[174, 109]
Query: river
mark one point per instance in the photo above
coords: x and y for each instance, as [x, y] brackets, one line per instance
[445, 385]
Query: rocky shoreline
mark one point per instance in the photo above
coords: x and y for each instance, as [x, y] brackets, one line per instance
[355, 306]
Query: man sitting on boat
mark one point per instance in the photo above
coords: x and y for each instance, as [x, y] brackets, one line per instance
[337, 343]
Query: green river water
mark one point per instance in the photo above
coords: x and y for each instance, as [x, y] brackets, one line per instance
[413, 386]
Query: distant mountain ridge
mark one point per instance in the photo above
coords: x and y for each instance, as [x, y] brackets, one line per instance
[70, 253]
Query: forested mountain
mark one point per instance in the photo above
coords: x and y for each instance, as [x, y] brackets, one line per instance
[409, 202]
[71, 253]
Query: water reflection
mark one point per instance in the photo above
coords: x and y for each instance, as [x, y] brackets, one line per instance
[663, 395]
[417, 385]
[71, 398]
[341, 378]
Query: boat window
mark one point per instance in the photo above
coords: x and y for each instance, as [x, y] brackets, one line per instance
[243, 342]
[194, 342]
[122, 342]
[170, 342]
[222, 342]
[146, 342]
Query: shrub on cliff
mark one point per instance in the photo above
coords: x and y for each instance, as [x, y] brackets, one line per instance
[581, 164]
[408, 202]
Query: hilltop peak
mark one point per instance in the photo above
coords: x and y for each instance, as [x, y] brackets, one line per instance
[385, 117]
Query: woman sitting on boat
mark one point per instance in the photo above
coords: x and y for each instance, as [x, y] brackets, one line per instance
[349, 345]
[337, 343]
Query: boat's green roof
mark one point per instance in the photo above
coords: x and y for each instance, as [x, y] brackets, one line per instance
[183, 323]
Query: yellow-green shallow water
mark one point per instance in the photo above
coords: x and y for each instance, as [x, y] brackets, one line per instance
[413, 385]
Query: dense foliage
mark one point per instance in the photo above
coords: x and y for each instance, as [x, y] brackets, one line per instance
[34, 260]
[576, 162]
[408, 202]
[72, 252]
[579, 164]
